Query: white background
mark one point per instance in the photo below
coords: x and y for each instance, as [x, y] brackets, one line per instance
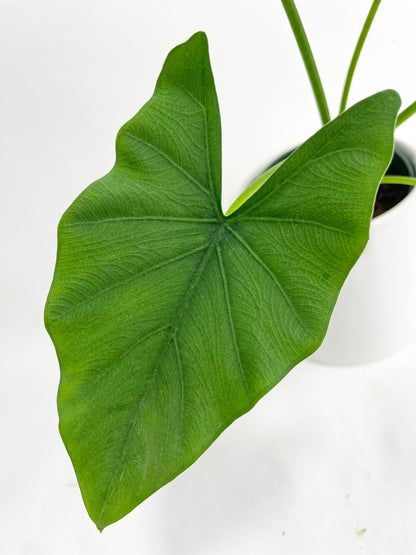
[326, 463]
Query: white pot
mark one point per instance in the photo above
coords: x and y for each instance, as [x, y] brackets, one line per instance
[375, 315]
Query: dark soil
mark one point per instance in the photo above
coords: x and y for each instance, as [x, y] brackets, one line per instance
[388, 195]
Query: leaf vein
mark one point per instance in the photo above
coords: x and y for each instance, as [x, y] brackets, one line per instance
[207, 150]
[165, 155]
[117, 475]
[152, 374]
[231, 322]
[144, 218]
[271, 274]
[296, 221]
[182, 391]
[132, 278]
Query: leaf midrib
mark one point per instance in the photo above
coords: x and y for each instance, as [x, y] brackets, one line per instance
[171, 161]
[231, 321]
[150, 218]
[179, 314]
[211, 190]
[291, 221]
[128, 280]
[271, 273]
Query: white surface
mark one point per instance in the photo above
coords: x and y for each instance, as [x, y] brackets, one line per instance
[331, 451]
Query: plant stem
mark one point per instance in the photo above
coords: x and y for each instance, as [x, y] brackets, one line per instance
[308, 59]
[252, 188]
[357, 52]
[405, 114]
[399, 180]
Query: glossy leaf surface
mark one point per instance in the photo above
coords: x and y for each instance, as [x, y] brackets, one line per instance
[171, 320]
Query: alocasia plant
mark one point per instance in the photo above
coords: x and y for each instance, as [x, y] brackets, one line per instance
[170, 319]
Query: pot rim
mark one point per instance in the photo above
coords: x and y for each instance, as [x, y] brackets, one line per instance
[409, 157]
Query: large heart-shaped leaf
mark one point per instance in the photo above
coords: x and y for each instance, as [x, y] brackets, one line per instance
[171, 320]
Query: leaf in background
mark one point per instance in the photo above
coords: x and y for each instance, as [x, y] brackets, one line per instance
[171, 320]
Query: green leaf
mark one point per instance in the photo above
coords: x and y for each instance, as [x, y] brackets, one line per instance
[252, 188]
[171, 320]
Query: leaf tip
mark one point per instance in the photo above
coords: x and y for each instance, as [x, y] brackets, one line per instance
[393, 97]
[199, 35]
[100, 527]
[197, 40]
[99, 519]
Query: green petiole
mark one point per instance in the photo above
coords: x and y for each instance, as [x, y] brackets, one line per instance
[308, 59]
[406, 114]
[357, 52]
[399, 180]
[252, 188]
